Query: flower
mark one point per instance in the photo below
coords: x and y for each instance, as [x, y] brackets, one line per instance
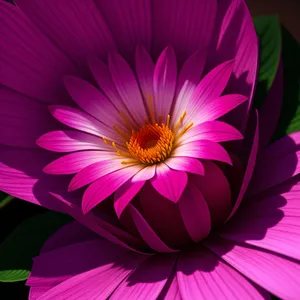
[127, 115]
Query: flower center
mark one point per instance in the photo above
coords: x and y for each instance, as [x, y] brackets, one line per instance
[152, 144]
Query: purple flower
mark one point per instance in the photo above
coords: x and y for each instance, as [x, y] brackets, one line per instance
[127, 115]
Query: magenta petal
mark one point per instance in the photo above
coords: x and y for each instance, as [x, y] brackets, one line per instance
[145, 70]
[23, 119]
[92, 101]
[203, 149]
[148, 280]
[164, 82]
[250, 167]
[270, 111]
[186, 164]
[169, 183]
[171, 290]
[112, 266]
[70, 140]
[147, 233]
[130, 23]
[171, 26]
[195, 213]
[145, 174]
[271, 223]
[83, 31]
[125, 194]
[35, 71]
[68, 234]
[105, 186]
[126, 85]
[75, 162]
[95, 171]
[202, 275]
[215, 131]
[277, 163]
[276, 274]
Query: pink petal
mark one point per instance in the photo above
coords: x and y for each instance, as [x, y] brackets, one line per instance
[271, 223]
[77, 27]
[75, 162]
[105, 186]
[278, 163]
[81, 121]
[269, 113]
[250, 167]
[92, 101]
[113, 267]
[147, 233]
[276, 274]
[215, 131]
[203, 149]
[125, 194]
[33, 71]
[216, 191]
[148, 280]
[144, 69]
[23, 119]
[202, 275]
[126, 85]
[171, 290]
[210, 88]
[145, 174]
[36, 292]
[171, 28]
[95, 171]
[185, 164]
[235, 37]
[69, 141]
[67, 235]
[164, 82]
[195, 213]
[130, 23]
[169, 183]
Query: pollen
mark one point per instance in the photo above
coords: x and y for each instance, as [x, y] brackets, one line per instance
[152, 144]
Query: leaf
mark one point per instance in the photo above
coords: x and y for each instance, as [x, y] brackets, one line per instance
[5, 199]
[290, 113]
[24, 243]
[269, 33]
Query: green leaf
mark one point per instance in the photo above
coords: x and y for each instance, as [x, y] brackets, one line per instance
[290, 113]
[5, 199]
[269, 33]
[24, 243]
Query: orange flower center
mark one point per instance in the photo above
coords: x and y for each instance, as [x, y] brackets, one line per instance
[152, 144]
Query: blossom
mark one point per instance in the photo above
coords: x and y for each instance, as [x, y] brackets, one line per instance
[135, 117]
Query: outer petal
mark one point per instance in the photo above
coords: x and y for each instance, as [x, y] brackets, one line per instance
[148, 280]
[129, 22]
[76, 26]
[169, 183]
[113, 267]
[69, 141]
[250, 167]
[215, 131]
[195, 213]
[274, 273]
[105, 186]
[145, 174]
[203, 149]
[278, 163]
[147, 233]
[171, 290]
[201, 275]
[125, 194]
[164, 83]
[271, 223]
[185, 164]
[171, 28]
[33, 71]
[235, 38]
[22, 119]
[75, 162]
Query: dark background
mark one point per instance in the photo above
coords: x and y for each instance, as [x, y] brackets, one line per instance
[17, 211]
